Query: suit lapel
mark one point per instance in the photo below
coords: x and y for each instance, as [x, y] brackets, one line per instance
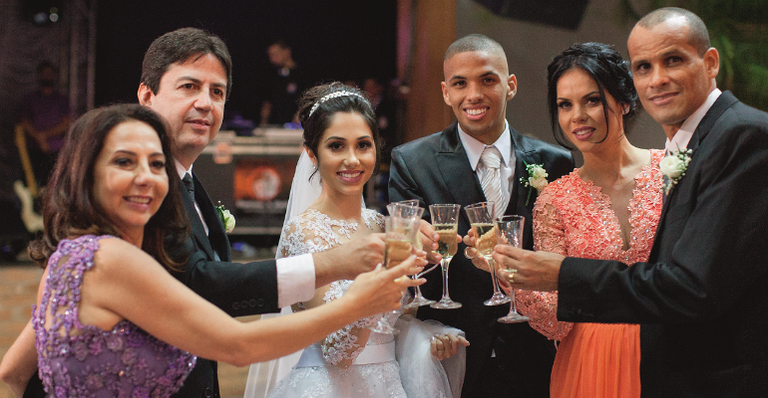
[456, 171]
[217, 236]
[725, 101]
[524, 153]
[519, 196]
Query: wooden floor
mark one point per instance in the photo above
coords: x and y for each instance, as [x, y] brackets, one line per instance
[18, 289]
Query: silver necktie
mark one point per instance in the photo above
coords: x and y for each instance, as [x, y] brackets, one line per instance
[491, 183]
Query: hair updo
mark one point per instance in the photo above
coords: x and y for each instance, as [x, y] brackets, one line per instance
[318, 105]
[609, 71]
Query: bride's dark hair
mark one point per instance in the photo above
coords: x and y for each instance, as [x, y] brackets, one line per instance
[318, 105]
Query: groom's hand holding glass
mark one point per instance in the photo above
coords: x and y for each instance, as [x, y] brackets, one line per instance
[533, 270]
[427, 235]
[430, 239]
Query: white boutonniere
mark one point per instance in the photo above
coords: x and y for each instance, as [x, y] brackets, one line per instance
[537, 178]
[673, 166]
[227, 219]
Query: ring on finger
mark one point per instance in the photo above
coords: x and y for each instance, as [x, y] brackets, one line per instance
[466, 253]
[511, 276]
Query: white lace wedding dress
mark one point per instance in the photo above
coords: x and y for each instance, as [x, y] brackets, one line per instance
[375, 371]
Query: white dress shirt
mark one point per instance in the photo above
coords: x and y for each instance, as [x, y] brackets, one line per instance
[475, 148]
[295, 275]
[683, 135]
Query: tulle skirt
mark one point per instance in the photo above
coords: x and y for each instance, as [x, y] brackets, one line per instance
[598, 360]
[415, 373]
[369, 381]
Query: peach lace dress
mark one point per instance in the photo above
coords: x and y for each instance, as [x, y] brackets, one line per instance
[574, 218]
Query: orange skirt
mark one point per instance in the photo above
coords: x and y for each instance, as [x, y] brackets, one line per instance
[598, 360]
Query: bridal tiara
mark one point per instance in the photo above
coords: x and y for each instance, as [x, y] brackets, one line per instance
[335, 94]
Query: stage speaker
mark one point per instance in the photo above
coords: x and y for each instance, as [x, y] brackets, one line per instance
[566, 14]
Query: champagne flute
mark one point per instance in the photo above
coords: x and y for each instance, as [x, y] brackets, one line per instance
[410, 208]
[445, 219]
[399, 236]
[481, 219]
[509, 231]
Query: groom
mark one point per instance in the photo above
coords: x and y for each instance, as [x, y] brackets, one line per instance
[701, 297]
[446, 167]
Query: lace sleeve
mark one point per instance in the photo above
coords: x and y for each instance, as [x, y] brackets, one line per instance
[548, 235]
[313, 232]
[342, 347]
[290, 238]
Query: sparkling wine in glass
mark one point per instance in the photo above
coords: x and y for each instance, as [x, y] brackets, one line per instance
[407, 209]
[399, 238]
[410, 209]
[509, 231]
[481, 217]
[445, 220]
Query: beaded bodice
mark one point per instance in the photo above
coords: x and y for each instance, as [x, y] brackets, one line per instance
[312, 232]
[77, 360]
[573, 217]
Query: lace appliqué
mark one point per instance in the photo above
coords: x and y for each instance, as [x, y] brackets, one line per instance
[312, 232]
[574, 218]
[83, 360]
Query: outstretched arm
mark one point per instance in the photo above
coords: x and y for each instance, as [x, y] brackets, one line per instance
[20, 362]
[129, 284]
[348, 260]
[229, 284]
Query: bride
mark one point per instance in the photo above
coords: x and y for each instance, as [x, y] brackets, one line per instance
[341, 142]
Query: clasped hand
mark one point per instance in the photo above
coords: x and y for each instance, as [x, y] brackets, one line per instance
[518, 268]
[443, 346]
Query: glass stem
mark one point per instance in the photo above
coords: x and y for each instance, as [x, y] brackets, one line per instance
[444, 267]
[512, 307]
[492, 266]
[418, 293]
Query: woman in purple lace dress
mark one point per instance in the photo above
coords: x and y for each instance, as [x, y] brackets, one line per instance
[110, 320]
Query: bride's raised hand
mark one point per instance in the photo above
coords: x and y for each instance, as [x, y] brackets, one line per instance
[382, 289]
[471, 253]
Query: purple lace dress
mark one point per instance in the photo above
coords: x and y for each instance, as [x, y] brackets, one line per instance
[77, 360]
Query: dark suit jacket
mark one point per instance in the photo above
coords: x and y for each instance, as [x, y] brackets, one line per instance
[702, 298]
[238, 289]
[435, 169]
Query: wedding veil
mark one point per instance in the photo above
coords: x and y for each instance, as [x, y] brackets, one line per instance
[263, 376]
[304, 192]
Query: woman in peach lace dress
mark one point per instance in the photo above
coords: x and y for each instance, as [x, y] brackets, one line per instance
[606, 209]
